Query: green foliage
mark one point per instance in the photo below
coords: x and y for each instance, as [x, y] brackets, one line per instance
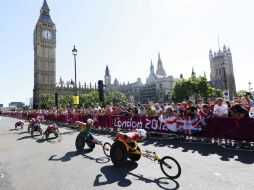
[115, 97]
[240, 93]
[85, 100]
[197, 87]
[89, 99]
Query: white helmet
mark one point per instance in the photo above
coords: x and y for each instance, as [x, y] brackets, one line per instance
[141, 133]
[90, 122]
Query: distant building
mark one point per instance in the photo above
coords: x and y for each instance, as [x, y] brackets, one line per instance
[16, 105]
[1, 105]
[158, 85]
[222, 72]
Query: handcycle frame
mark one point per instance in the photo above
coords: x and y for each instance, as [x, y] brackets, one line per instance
[155, 157]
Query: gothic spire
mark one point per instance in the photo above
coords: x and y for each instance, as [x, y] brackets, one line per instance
[151, 67]
[45, 13]
[45, 4]
[107, 71]
[160, 70]
[193, 74]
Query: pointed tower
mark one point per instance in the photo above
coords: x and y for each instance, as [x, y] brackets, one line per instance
[152, 77]
[107, 77]
[160, 70]
[44, 56]
[193, 74]
[151, 68]
[181, 76]
[222, 72]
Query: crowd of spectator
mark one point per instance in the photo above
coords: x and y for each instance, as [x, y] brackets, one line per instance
[238, 107]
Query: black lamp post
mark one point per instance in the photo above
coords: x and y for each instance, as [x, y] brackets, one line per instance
[74, 52]
[250, 86]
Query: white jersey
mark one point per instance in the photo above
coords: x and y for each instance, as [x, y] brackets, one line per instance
[220, 110]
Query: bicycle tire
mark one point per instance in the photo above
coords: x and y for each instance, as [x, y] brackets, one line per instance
[164, 166]
[106, 149]
[59, 136]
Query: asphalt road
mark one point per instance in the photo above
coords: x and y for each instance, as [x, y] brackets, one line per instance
[33, 163]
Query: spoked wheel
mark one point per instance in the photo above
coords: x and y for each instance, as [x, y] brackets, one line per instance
[106, 149]
[118, 154]
[170, 167]
[80, 142]
[58, 135]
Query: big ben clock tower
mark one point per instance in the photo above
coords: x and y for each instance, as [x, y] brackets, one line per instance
[44, 56]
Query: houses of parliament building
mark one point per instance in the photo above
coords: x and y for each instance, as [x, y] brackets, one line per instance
[158, 85]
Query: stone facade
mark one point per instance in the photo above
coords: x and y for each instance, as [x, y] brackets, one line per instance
[157, 87]
[44, 55]
[222, 72]
[45, 62]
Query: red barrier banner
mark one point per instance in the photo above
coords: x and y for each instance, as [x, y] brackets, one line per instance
[226, 128]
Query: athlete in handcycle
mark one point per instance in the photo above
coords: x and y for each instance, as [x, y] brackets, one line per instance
[126, 146]
[34, 125]
[85, 137]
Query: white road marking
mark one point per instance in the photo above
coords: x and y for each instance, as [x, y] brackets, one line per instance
[217, 174]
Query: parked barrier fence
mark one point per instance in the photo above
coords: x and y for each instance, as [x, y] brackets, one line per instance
[223, 128]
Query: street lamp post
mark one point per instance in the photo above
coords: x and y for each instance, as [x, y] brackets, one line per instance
[74, 52]
[250, 87]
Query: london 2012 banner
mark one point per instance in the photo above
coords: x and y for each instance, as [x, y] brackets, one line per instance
[186, 125]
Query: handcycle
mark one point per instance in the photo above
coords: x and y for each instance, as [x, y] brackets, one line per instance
[19, 124]
[81, 141]
[36, 127]
[52, 129]
[120, 151]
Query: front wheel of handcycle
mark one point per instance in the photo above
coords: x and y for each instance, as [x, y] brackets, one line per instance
[170, 167]
[58, 135]
[106, 148]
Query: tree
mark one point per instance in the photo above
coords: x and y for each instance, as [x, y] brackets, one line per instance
[197, 87]
[47, 101]
[89, 99]
[115, 97]
[240, 93]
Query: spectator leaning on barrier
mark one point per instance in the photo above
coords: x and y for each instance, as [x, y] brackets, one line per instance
[230, 112]
[220, 110]
[248, 99]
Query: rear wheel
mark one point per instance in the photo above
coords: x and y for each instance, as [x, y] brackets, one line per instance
[47, 135]
[32, 132]
[40, 131]
[118, 154]
[106, 149]
[80, 142]
[170, 167]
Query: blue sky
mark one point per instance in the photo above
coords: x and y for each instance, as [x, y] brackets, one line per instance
[125, 35]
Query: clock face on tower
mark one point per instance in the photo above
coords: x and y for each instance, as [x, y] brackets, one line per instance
[47, 35]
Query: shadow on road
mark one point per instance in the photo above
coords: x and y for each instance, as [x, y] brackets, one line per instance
[163, 182]
[26, 137]
[205, 149]
[69, 155]
[115, 174]
[42, 140]
[68, 132]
